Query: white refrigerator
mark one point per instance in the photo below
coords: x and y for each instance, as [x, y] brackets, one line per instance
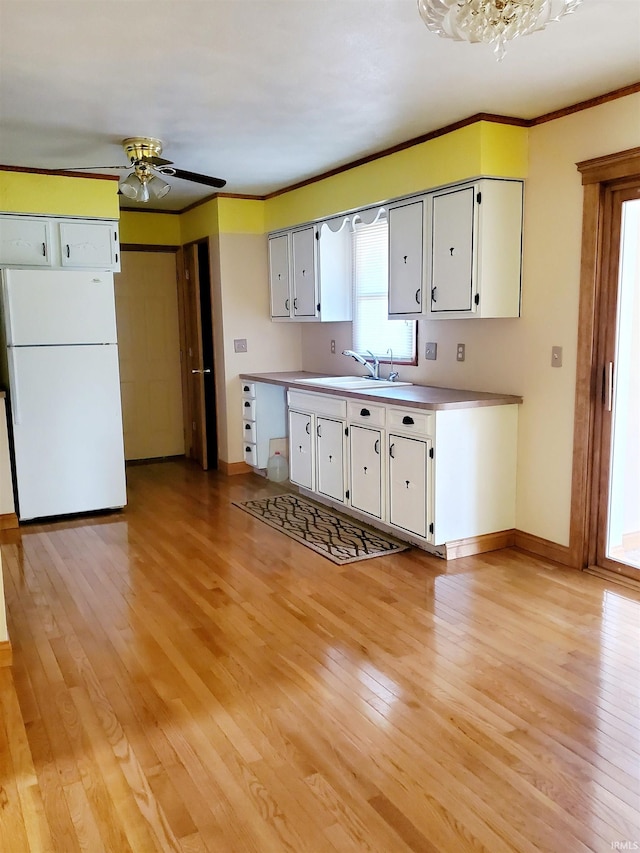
[60, 368]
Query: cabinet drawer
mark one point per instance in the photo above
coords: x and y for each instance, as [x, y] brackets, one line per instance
[248, 389]
[250, 455]
[320, 404]
[362, 412]
[411, 421]
[249, 431]
[249, 410]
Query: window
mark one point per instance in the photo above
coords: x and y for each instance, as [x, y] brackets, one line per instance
[372, 330]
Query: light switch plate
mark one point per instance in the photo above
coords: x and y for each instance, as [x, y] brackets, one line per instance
[431, 351]
[556, 356]
[240, 345]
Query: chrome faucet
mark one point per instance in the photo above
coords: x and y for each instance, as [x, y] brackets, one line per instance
[374, 371]
[393, 374]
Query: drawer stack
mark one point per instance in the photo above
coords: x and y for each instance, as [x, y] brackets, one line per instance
[263, 418]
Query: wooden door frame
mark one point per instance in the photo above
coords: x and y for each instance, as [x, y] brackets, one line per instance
[601, 177]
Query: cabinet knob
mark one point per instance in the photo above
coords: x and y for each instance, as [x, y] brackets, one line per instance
[408, 421]
[365, 413]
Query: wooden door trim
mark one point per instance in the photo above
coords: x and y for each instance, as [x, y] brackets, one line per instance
[600, 177]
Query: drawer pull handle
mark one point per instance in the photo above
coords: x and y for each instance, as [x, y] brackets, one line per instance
[248, 449]
[318, 431]
[376, 446]
[44, 250]
[247, 405]
[365, 413]
[307, 428]
[247, 426]
[391, 451]
[246, 388]
[408, 421]
[418, 296]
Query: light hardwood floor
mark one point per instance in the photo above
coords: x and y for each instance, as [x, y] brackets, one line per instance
[187, 679]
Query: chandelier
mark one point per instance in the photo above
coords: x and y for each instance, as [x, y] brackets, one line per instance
[491, 21]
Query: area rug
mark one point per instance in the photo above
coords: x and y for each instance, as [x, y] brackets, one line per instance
[334, 536]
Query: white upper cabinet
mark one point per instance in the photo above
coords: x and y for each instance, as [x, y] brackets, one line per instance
[89, 245]
[279, 276]
[25, 242]
[310, 272]
[304, 273]
[474, 250]
[406, 259]
[40, 241]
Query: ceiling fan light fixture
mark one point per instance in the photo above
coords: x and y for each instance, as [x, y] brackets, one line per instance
[492, 22]
[157, 187]
[130, 186]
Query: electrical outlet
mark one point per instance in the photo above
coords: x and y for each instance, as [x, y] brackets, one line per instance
[460, 352]
[556, 356]
[431, 351]
[240, 345]
[333, 347]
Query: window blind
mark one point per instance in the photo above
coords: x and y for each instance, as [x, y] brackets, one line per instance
[372, 330]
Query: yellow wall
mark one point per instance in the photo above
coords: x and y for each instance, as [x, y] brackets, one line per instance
[484, 148]
[150, 229]
[56, 195]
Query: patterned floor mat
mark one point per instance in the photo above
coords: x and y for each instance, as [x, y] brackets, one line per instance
[336, 537]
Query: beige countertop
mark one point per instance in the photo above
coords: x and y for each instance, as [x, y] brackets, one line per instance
[416, 396]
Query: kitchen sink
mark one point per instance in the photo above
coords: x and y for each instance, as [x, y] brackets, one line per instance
[351, 383]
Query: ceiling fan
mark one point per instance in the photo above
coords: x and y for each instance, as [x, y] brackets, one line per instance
[145, 181]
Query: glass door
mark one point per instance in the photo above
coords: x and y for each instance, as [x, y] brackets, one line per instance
[618, 537]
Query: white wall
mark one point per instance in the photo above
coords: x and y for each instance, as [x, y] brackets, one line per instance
[514, 356]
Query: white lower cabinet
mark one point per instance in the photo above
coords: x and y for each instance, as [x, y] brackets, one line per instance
[410, 485]
[330, 458]
[302, 450]
[263, 418]
[434, 476]
[365, 470]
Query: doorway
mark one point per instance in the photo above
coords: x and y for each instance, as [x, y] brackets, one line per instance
[618, 480]
[605, 517]
[199, 366]
[146, 295]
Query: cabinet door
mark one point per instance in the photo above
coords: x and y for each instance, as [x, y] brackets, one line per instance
[301, 450]
[452, 251]
[366, 470]
[279, 275]
[330, 456]
[409, 483]
[24, 242]
[86, 245]
[305, 297]
[406, 238]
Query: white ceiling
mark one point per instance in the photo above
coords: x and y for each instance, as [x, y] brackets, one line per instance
[266, 93]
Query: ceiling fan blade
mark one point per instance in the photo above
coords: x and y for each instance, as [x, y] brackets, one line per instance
[199, 179]
[157, 161]
[86, 168]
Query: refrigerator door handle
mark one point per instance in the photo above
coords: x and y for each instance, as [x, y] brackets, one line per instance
[13, 386]
[7, 311]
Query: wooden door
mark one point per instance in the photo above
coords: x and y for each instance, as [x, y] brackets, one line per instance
[617, 468]
[149, 350]
[196, 426]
